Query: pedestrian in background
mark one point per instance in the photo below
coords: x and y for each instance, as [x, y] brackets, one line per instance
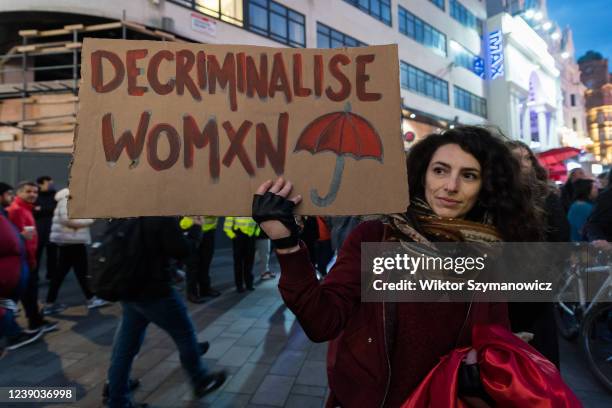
[13, 280]
[567, 190]
[198, 263]
[262, 256]
[585, 193]
[242, 231]
[20, 212]
[154, 300]
[71, 237]
[43, 214]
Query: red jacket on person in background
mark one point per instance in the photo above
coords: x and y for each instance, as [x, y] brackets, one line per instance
[20, 214]
[361, 372]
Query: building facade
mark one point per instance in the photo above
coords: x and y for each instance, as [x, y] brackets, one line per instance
[596, 77]
[439, 42]
[524, 83]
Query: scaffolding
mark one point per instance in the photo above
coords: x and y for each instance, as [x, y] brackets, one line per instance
[39, 82]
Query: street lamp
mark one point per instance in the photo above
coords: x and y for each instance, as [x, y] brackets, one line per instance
[547, 26]
[538, 16]
[529, 13]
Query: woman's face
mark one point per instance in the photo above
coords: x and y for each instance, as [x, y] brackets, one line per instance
[452, 182]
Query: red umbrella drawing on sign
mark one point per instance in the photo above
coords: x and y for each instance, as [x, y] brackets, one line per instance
[345, 134]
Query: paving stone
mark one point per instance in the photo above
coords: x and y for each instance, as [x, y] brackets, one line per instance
[74, 355]
[318, 352]
[267, 351]
[219, 347]
[236, 356]
[210, 332]
[232, 400]
[252, 337]
[304, 401]
[313, 373]
[288, 362]
[273, 391]
[241, 325]
[248, 378]
[157, 375]
[309, 390]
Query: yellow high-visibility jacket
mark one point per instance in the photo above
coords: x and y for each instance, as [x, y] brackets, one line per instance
[247, 225]
[210, 223]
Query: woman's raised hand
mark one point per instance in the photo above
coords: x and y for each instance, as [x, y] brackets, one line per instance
[273, 211]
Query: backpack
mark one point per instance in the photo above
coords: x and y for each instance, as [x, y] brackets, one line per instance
[115, 259]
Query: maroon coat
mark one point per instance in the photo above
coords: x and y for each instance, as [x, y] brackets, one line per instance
[358, 364]
[10, 259]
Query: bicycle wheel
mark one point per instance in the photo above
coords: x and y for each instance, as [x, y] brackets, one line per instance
[596, 342]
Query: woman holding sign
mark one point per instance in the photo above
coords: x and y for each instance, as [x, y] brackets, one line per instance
[464, 187]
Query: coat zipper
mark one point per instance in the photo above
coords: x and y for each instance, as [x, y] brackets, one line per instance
[387, 356]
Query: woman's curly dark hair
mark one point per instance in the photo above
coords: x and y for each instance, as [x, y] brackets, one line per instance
[501, 197]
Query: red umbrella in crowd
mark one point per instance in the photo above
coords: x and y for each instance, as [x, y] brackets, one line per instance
[345, 134]
[557, 155]
[553, 160]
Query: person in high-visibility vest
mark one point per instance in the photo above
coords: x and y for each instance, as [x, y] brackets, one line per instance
[242, 231]
[198, 269]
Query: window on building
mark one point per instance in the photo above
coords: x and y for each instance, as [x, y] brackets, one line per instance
[469, 102]
[225, 10]
[273, 20]
[574, 124]
[573, 99]
[464, 16]
[327, 37]
[379, 9]
[415, 28]
[439, 3]
[419, 81]
[462, 56]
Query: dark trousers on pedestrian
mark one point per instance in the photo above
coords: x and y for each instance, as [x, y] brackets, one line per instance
[29, 300]
[51, 261]
[244, 256]
[198, 271]
[168, 313]
[73, 256]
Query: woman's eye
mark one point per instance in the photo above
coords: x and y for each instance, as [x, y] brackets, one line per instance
[471, 176]
[438, 170]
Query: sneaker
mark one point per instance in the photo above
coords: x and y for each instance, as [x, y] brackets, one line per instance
[22, 339]
[44, 325]
[132, 385]
[96, 302]
[209, 383]
[53, 308]
[266, 275]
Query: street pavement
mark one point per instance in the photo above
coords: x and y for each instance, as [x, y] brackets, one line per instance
[270, 361]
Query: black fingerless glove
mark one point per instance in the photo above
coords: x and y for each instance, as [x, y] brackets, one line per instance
[270, 207]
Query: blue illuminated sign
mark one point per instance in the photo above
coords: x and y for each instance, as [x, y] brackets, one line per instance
[496, 55]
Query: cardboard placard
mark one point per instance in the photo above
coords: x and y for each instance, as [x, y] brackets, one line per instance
[170, 128]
